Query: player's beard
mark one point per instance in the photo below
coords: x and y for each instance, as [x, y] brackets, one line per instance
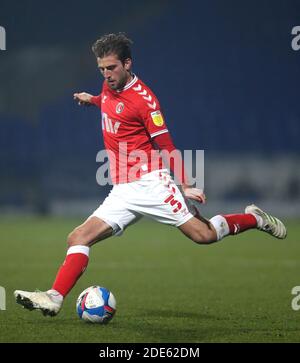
[113, 85]
[118, 85]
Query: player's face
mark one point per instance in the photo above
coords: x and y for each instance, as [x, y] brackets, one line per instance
[114, 71]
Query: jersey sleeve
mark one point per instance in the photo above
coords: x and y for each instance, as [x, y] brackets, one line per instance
[151, 114]
[176, 163]
[96, 100]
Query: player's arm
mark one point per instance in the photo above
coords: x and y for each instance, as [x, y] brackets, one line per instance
[86, 99]
[155, 125]
[164, 142]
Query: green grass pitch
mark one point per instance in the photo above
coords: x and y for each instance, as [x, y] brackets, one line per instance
[168, 289]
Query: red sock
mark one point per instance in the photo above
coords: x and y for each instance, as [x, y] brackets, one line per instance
[238, 223]
[73, 267]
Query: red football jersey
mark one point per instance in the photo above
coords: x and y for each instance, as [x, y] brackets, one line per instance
[131, 117]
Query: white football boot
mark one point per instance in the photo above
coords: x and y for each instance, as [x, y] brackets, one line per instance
[267, 223]
[46, 302]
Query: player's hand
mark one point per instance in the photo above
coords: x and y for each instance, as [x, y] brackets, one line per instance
[83, 98]
[194, 193]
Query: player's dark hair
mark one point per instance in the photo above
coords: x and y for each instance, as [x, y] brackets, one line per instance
[118, 44]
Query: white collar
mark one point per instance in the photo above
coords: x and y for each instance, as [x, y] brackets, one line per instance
[130, 84]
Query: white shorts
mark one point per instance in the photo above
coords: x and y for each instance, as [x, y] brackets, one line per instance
[154, 195]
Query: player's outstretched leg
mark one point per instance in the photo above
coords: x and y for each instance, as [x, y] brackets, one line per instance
[79, 242]
[254, 217]
[204, 231]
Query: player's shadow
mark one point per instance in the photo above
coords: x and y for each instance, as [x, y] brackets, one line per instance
[164, 313]
[195, 327]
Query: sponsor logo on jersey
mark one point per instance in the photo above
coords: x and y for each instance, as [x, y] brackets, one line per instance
[120, 107]
[157, 118]
[109, 125]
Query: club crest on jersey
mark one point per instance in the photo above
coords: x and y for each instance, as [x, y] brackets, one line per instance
[157, 118]
[119, 107]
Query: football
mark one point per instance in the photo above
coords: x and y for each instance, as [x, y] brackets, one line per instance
[96, 304]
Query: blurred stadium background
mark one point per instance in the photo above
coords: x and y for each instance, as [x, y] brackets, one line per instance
[225, 74]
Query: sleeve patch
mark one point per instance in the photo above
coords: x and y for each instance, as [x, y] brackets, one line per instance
[157, 118]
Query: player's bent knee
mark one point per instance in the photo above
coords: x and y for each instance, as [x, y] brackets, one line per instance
[75, 238]
[199, 231]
